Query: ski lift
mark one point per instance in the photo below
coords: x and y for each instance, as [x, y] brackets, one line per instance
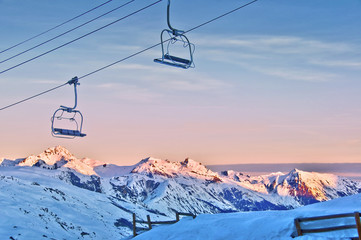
[67, 116]
[176, 38]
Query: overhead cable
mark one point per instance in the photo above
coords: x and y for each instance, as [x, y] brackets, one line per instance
[130, 56]
[76, 39]
[61, 24]
[221, 16]
[62, 34]
[34, 96]
[155, 45]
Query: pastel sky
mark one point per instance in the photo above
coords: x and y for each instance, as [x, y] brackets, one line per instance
[275, 82]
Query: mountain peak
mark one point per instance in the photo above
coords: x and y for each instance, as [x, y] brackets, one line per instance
[50, 156]
[308, 185]
[188, 167]
[57, 151]
[195, 166]
[295, 170]
[62, 157]
[190, 162]
[156, 166]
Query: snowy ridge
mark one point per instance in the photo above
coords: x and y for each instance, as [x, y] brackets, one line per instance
[169, 169]
[308, 184]
[50, 156]
[307, 187]
[153, 186]
[6, 162]
[54, 156]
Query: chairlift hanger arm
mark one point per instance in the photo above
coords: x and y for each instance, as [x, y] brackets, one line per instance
[175, 32]
[75, 82]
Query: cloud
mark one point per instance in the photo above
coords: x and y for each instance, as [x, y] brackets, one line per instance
[195, 83]
[347, 63]
[46, 81]
[168, 78]
[296, 74]
[277, 44]
[147, 67]
[119, 48]
[353, 142]
[291, 45]
[129, 92]
[25, 79]
[286, 57]
[279, 70]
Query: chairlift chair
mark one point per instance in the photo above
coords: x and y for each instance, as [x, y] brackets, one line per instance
[176, 37]
[70, 116]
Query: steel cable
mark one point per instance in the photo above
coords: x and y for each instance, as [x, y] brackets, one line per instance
[130, 56]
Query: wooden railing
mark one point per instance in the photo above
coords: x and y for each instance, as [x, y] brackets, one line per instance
[301, 230]
[151, 223]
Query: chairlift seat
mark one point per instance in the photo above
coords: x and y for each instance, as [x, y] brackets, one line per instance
[174, 61]
[170, 63]
[177, 59]
[69, 132]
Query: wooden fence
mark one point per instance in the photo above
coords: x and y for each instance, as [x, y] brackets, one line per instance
[151, 223]
[356, 215]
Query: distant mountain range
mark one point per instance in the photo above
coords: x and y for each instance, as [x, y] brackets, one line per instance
[56, 194]
[349, 170]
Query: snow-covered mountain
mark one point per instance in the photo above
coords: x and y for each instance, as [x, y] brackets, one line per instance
[60, 157]
[36, 204]
[68, 187]
[304, 187]
[189, 186]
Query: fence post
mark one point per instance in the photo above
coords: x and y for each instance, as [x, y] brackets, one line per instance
[177, 216]
[298, 227]
[134, 226]
[358, 224]
[149, 222]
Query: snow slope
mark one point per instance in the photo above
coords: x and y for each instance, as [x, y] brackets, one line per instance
[58, 195]
[270, 225]
[38, 205]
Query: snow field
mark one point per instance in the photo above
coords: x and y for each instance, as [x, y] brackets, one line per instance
[79, 213]
[270, 225]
